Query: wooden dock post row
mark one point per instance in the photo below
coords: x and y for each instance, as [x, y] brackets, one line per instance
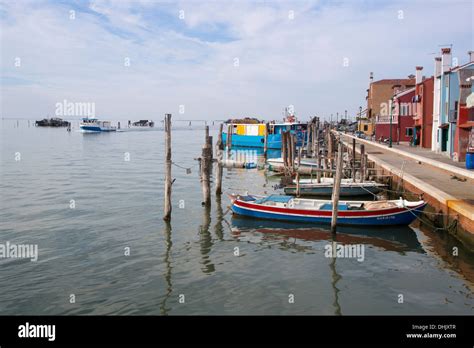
[167, 206]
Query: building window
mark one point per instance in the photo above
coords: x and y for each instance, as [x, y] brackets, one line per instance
[409, 132]
[366, 128]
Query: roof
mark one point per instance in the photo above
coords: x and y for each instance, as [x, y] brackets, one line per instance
[456, 68]
[395, 82]
[405, 91]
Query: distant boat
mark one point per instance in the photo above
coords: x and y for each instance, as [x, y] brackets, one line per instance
[52, 122]
[349, 188]
[143, 123]
[288, 208]
[94, 125]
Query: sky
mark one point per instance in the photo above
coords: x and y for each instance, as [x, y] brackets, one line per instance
[138, 59]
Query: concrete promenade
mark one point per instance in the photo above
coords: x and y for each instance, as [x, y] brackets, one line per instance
[446, 186]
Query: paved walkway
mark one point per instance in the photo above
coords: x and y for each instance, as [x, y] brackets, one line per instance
[440, 179]
[416, 150]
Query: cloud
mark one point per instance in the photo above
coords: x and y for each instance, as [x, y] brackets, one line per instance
[191, 61]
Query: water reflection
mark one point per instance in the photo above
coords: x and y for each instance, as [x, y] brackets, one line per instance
[205, 241]
[396, 238]
[219, 227]
[335, 277]
[167, 273]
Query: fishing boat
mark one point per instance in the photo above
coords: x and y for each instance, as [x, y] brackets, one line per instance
[92, 124]
[349, 188]
[276, 164]
[289, 208]
[250, 132]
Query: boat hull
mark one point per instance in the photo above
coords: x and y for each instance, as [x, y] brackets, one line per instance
[97, 129]
[394, 216]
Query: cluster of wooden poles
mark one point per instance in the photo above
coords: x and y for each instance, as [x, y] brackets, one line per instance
[206, 162]
[328, 162]
[324, 156]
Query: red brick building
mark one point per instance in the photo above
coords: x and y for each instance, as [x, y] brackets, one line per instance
[402, 116]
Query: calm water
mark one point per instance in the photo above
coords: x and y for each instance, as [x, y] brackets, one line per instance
[119, 205]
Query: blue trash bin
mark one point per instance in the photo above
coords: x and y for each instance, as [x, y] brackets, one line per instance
[470, 160]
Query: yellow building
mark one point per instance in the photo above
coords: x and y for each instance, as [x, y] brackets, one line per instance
[366, 126]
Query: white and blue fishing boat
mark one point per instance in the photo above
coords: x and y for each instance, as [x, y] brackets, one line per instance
[289, 208]
[349, 188]
[92, 124]
[251, 132]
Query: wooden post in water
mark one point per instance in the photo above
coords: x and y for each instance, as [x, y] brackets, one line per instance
[265, 141]
[283, 148]
[167, 208]
[336, 187]
[297, 184]
[206, 165]
[293, 152]
[318, 156]
[314, 138]
[309, 147]
[353, 160]
[219, 154]
[330, 151]
[363, 164]
[230, 129]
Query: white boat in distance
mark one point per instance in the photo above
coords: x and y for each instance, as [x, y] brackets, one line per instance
[94, 125]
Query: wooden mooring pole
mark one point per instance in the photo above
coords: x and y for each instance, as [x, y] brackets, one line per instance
[283, 150]
[336, 187]
[168, 182]
[219, 154]
[363, 164]
[206, 167]
[265, 143]
[353, 160]
[230, 129]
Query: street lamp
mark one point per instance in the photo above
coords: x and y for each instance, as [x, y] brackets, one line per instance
[360, 118]
[391, 108]
[398, 122]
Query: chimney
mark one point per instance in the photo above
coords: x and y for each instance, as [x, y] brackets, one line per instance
[437, 70]
[418, 77]
[445, 60]
[471, 56]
